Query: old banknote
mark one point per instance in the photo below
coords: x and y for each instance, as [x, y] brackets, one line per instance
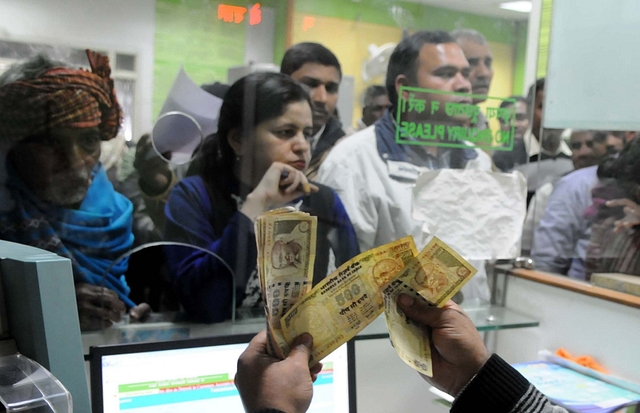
[346, 301]
[434, 276]
[286, 242]
[408, 338]
[437, 273]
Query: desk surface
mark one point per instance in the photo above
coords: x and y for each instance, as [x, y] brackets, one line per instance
[163, 327]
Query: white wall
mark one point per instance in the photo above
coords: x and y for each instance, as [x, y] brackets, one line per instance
[122, 25]
[583, 325]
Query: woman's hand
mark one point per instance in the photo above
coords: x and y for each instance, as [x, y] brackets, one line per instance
[274, 190]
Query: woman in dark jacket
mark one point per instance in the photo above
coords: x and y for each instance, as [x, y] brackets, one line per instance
[254, 163]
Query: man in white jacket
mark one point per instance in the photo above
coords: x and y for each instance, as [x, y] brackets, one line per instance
[374, 175]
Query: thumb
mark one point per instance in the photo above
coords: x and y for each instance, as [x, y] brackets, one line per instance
[418, 310]
[301, 348]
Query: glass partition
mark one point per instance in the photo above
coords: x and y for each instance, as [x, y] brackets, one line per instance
[382, 118]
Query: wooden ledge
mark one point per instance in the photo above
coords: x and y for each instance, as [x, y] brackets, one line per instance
[577, 286]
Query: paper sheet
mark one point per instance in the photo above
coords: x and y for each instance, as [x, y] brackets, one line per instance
[188, 115]
[478, 213]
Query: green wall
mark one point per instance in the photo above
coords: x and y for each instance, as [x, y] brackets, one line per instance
[423, 17]
[521, 32]
[545, 34]
[189, 32]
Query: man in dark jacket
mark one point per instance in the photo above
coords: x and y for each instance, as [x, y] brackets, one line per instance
[317, 67]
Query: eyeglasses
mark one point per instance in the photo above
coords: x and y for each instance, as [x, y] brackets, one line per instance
[577, 145]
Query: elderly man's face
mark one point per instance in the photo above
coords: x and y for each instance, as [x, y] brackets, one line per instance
[481, 63]
[57, 167]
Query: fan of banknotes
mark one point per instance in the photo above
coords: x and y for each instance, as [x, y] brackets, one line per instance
[354, 295]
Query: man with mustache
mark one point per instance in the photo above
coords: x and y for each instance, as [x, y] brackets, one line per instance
[476, 50]
[56, 193]
[374, 175]
[317, 67]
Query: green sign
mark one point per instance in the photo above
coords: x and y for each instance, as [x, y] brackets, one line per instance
[436, 118]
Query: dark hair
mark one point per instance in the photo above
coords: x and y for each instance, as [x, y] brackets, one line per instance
[302, 53]
[371, 93]
[533, 89]
[404, 59]
[506, 103]
[625, 167]
[253, 99]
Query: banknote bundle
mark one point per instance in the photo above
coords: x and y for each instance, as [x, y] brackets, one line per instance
[286, 241]
[355, 294]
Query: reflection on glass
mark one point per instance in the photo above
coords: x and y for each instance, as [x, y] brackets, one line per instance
[116, 194]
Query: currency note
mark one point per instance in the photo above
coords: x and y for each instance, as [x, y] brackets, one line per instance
[437, 273]
[286, 254]
[409, 340]
[348, 300]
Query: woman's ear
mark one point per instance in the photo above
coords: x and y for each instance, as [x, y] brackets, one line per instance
[234, 137]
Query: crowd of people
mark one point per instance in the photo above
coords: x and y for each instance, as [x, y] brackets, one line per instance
[277, 134]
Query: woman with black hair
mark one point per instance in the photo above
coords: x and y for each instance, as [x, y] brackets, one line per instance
[254, 163]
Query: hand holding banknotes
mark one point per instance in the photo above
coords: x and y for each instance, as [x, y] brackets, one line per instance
[265, 382]
[457, 352]
[281, 184]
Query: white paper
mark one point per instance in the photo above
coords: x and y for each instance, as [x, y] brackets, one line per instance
[188, 115]
[478, 213]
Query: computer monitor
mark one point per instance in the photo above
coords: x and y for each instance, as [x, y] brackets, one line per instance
[196, 375]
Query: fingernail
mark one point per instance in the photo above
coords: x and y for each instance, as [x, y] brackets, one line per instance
[306, 340]
[406, 300]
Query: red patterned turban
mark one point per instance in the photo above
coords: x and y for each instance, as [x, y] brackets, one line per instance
[61, 98]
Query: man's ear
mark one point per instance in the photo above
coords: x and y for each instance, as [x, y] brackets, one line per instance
[401, 80]
[234, 137]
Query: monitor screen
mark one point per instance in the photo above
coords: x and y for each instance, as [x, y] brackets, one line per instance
[194, 376]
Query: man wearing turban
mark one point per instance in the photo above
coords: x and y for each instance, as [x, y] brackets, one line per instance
[57, 196]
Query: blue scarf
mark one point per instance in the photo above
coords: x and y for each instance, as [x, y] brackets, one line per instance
[92, 237]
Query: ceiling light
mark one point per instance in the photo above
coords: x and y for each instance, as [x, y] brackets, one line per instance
[523, 6]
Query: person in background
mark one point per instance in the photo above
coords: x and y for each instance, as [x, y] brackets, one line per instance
[318, 68]
[555, 229]
[254, 163]
[374, 175]
[548, 154]
[462, 367]
[506, 160]
[375, 103]
[615, 140]
[52, 120]
[614, 246]
[476, 50]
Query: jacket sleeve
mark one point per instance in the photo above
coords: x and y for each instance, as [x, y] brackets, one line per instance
[555, 239]
[499, 388]
[344, 242]
[202, 281]
[350, 186]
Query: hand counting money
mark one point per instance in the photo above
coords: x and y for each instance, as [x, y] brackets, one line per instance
[286, 242]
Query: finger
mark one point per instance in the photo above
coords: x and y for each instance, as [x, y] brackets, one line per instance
[258, 344]
[419, 311]
[315, 370]
[620, 202]
[140, 311]
[301, 349]
[88, 309]
[297, 182]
